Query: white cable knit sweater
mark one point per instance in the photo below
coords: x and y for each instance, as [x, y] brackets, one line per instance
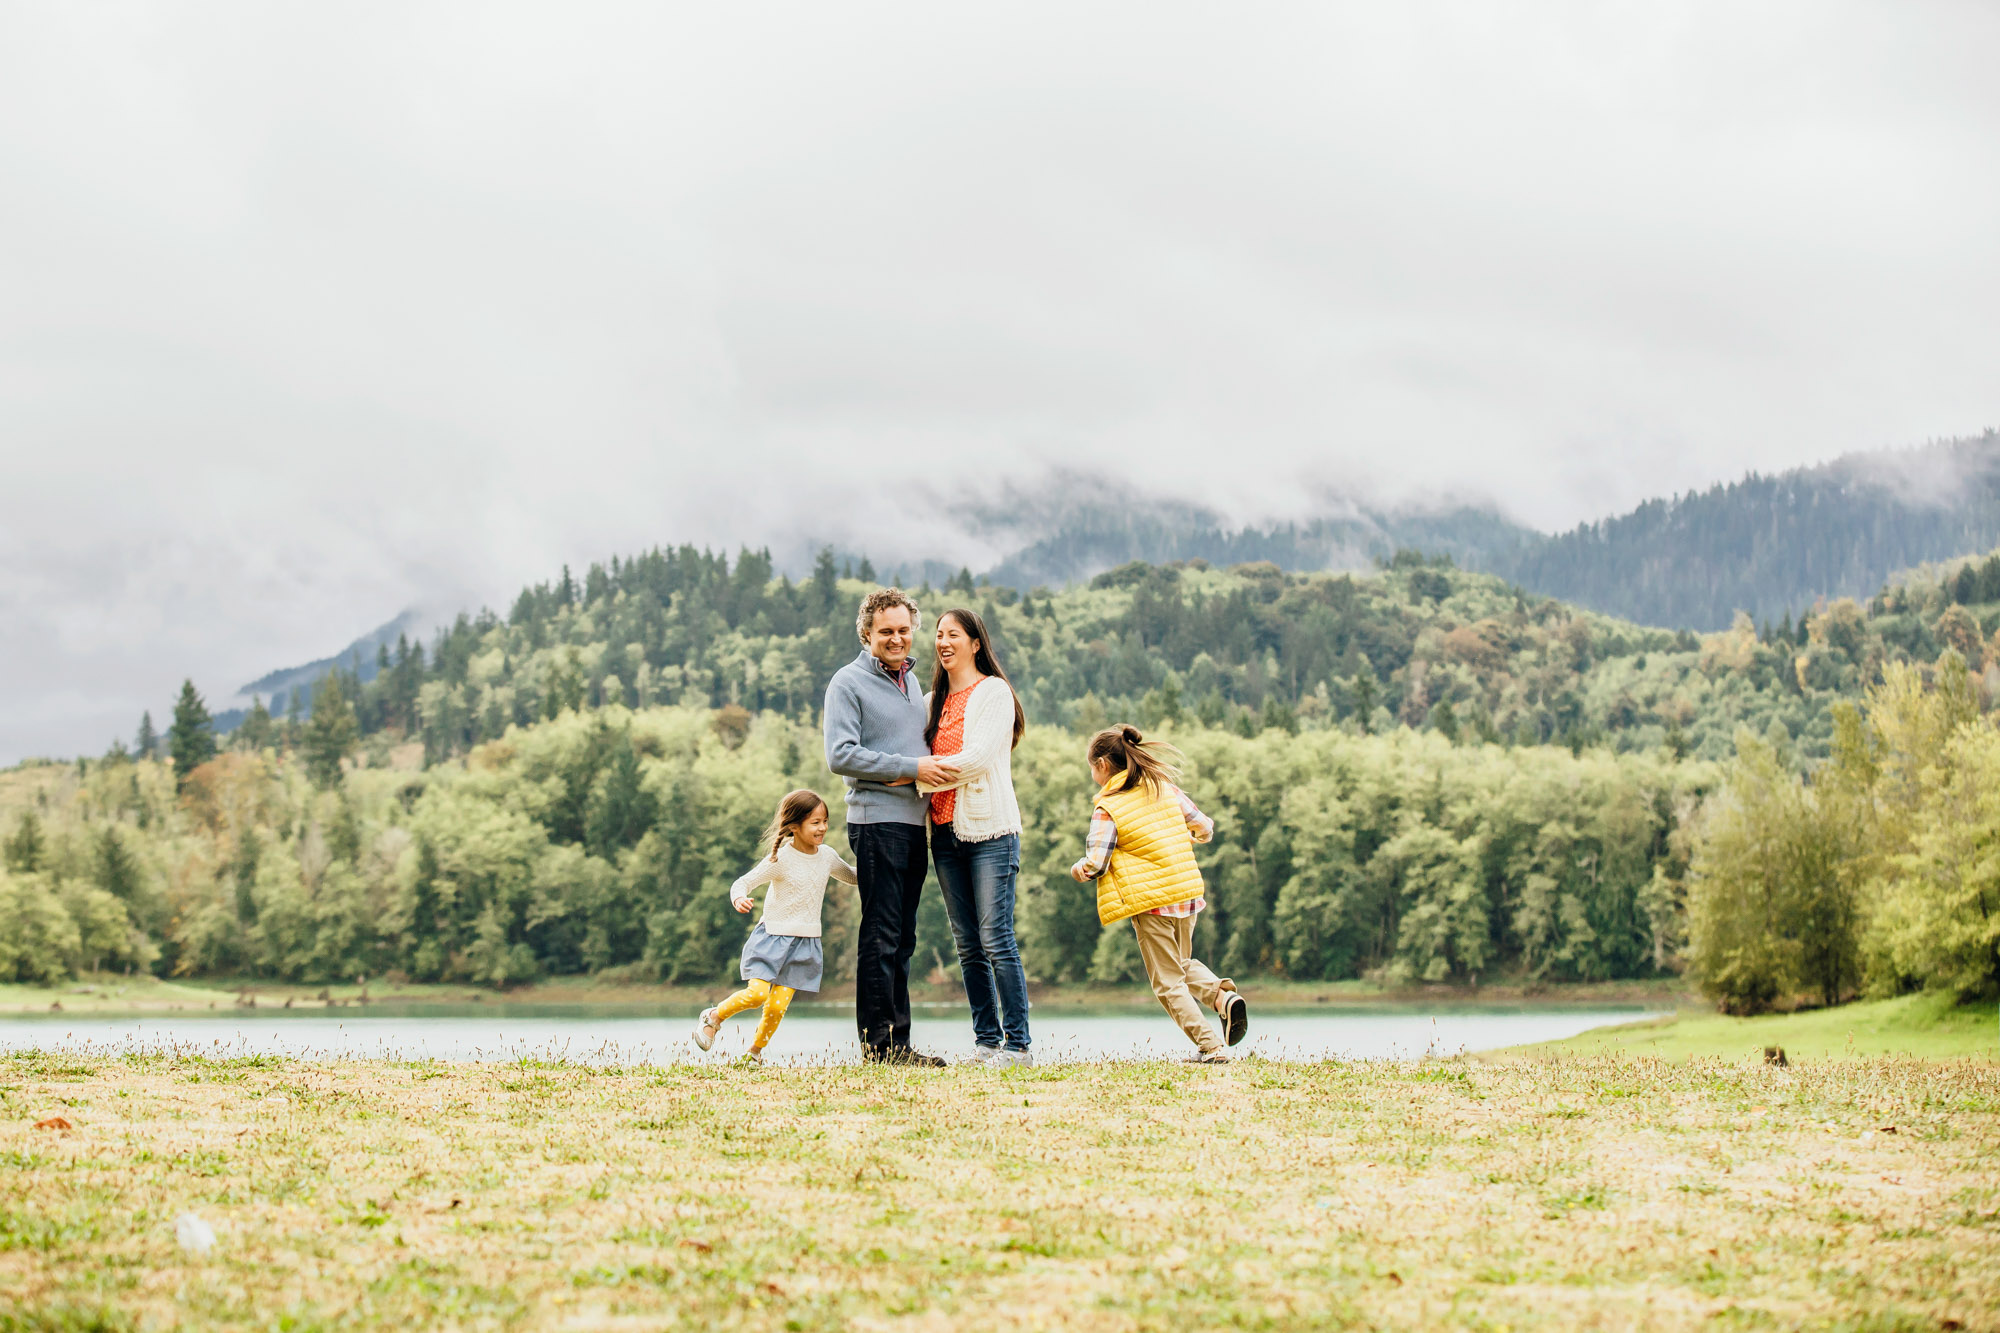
[798, 886]
[986, 807]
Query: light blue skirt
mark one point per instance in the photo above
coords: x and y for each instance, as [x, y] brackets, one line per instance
[797, 961]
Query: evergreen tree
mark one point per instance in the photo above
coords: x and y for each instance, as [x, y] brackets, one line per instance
[248, 852]
[825, 582]
[331, 734]
[258, 730]
[116, 872]
[422, 951]
[191, 739]
[23, 851]
[624, 810]
[1365, 690]
[1279, 715]
[149, 741]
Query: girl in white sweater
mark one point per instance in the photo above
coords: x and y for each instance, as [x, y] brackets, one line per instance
[783, 955]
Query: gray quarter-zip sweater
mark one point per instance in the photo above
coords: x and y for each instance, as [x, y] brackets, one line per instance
[874, 735]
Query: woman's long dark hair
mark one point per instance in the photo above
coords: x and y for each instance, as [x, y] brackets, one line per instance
[984, 660]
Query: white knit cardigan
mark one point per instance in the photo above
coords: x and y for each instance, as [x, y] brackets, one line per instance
[986, 808]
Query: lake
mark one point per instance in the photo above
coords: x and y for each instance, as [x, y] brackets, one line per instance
[821, 1033]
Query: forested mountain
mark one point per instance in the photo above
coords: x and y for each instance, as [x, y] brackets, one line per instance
[1101, 537]
[1420, 773]
[1765, 545]
[1768, 546]
[1420, 642]
[1773, 545]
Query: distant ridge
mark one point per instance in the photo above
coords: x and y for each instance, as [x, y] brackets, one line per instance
[1766, 545]
[276, 687]
[1773, 545]
[1093, 541]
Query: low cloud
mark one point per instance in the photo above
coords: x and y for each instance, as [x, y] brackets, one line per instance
[313, 315]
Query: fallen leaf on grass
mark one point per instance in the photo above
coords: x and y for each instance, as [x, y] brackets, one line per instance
[701, 1245]
[1395, 1277]
[1886, 1129]
[54, 1122]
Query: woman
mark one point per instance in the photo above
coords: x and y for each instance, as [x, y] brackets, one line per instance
[974, 724]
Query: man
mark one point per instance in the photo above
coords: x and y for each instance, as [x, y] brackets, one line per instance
[874, 721]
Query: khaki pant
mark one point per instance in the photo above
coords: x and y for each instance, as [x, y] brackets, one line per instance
[1166, 943]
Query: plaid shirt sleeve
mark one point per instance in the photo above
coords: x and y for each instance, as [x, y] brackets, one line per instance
[1098, 845]
[1200, 827]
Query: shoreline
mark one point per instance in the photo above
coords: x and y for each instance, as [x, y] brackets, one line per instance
[110, 995]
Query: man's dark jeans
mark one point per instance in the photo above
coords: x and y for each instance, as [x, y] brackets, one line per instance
[890, 861]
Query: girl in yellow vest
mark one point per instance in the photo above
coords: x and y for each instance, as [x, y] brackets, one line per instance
[1141, 853]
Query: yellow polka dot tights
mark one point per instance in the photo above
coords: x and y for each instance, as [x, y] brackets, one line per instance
[775, 999]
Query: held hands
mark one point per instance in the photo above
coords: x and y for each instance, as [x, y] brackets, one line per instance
[741, 904]
[934, 772]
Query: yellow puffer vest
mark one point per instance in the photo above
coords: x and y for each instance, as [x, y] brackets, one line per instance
[1153, 864]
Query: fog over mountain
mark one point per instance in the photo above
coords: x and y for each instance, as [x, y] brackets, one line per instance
[316, 315]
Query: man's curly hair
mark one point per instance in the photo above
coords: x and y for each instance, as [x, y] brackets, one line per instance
[881, 600]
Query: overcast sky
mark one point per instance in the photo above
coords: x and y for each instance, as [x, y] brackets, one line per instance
[309, 313]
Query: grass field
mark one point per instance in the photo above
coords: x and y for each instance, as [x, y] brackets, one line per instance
[1562, 1192]
[1924, 1025]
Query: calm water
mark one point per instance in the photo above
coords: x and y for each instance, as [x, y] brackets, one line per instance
[820, 1033]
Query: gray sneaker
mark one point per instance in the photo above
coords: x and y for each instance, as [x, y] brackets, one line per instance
[981, 1055]
[1006, 1059]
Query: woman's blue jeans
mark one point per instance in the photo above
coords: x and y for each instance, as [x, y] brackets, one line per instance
[978, 882]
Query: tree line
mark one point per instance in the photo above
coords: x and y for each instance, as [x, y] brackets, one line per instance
[603, 841]
[1875, 872]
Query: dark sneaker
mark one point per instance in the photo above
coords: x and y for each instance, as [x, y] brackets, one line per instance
[1235, 1016]
[902, 1055]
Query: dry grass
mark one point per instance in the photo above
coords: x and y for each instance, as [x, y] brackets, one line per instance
[1600, 1192]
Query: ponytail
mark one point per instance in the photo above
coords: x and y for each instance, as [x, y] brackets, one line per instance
[1153, 763]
